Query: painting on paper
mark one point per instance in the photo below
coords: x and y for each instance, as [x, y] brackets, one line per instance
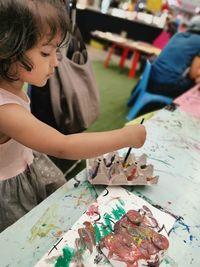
[119, 229]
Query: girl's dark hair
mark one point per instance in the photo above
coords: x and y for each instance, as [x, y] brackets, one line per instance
[22, 24]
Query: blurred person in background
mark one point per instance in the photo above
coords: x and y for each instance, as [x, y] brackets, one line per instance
[177, 68]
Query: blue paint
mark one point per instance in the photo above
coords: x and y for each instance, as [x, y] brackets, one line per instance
[166, 163]
[186, 227]
[180, 222]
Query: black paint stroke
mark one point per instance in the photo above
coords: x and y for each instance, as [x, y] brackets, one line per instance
[55, 246]
[98, 215]
[111, 161]
[96, 170]
[163, 227]
[107, 192]
[107, 227]
[77, 182]
[177, 217]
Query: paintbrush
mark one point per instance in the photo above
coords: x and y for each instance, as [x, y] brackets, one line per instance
[129, 150]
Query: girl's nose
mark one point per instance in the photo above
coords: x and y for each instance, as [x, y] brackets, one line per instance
[54, 61]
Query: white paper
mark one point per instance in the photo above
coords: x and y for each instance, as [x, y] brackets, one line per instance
[112, 199]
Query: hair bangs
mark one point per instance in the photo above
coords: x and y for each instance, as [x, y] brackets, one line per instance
[50, 21]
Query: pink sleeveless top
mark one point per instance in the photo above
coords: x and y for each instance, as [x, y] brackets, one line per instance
[14, 157]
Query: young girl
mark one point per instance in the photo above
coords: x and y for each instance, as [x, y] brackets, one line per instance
[31, 32]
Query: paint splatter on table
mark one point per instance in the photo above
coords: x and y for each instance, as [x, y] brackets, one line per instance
[173, 147]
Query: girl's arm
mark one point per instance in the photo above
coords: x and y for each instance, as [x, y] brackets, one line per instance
[194, 72]
[17, 123]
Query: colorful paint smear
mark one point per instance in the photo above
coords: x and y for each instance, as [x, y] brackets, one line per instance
[119, 229]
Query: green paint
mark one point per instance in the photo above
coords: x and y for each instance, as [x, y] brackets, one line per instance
[107, 219]
[81, 245]
[64, 261]
[121, 201]
[91, 189]
[97, 234]
[169, 262]
[105, 230]
[118, 212]
[166, 261]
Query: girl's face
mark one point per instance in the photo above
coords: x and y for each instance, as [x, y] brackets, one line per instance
[44, 59]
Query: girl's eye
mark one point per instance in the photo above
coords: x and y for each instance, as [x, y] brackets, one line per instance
[45, 54]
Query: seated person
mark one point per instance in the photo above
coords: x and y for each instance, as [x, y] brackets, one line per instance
[170, 73]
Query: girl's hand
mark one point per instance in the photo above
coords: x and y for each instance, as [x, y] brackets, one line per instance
[136, 135]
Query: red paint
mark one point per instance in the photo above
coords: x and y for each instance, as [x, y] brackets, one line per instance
[135, 239]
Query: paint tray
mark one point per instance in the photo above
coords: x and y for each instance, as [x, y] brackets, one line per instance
[110, 169]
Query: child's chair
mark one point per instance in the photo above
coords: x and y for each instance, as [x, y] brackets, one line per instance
[142, 97]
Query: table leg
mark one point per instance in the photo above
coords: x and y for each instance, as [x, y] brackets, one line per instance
[123, 57]
[109, 55]
[136, 58]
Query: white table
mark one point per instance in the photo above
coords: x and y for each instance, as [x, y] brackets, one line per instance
[173, 147]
